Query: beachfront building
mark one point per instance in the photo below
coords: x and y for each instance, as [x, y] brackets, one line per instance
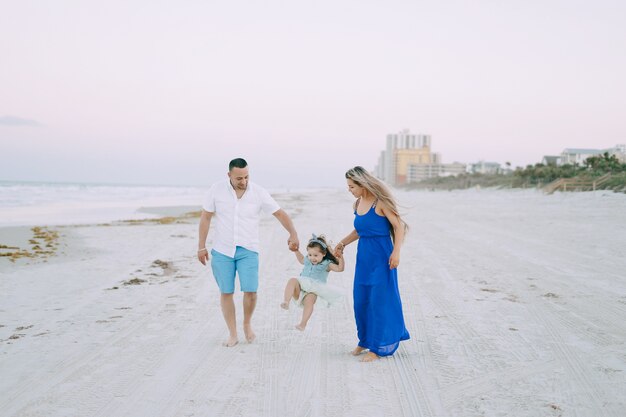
[402, 149]
[578, 156]
[418, 172]
[408, 158]
[620, 152]
[551, 160]
[574, 156]
[482, 167]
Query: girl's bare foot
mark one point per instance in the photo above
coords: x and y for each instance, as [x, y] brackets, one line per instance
[358, 350]
[247, 330]
[284, 305]
[300, 327]
[232, 341]
[370, 357]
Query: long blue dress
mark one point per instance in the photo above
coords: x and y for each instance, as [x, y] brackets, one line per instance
[377, 303]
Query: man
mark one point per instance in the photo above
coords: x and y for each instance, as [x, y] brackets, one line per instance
[236, 205]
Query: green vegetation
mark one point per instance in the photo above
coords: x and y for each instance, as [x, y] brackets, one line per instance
[537, 176]
[464, 181]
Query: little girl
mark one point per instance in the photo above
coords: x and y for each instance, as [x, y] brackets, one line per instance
[312, 281]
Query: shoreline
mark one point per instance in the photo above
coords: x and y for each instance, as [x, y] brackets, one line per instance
[37, 243]
[19, 238]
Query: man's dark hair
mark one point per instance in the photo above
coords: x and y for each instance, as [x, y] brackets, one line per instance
[237, 163]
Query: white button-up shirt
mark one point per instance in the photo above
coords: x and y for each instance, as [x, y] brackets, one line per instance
[236, 220]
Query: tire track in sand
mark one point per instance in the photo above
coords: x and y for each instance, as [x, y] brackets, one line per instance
[572, 363]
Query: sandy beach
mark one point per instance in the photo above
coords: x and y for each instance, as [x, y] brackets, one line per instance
[515, 301]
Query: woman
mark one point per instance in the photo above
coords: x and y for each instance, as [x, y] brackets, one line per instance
[380, 232]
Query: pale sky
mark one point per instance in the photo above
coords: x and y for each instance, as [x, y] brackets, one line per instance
[167, 92]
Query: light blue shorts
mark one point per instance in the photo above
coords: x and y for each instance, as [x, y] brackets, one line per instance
[245, 264]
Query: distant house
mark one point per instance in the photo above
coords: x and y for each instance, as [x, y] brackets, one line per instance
[620, 152]
[551, 160]
[482, 167]
[577, 156]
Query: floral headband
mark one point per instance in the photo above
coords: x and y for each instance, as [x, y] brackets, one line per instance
[315, 239]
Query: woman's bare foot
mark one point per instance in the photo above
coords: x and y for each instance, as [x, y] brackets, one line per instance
[358, 350]
[301, 327]
[232, 341]
[370, 357]
[284, 305]
[247, 330]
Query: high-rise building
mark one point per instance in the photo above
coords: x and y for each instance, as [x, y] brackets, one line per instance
[402, 149]
[407, 158]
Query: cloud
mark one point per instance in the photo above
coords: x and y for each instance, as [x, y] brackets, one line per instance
[18, 121]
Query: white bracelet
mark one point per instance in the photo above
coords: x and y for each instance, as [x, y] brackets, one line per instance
[201, 250]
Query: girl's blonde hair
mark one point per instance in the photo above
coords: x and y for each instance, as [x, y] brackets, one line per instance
[378, 189]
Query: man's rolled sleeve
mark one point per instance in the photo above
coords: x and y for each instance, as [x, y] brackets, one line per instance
[209, 200]
[268, 204]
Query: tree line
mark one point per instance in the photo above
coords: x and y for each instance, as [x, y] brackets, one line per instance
[592, 167]
[536, 175]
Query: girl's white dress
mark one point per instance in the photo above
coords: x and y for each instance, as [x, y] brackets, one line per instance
[313, 279]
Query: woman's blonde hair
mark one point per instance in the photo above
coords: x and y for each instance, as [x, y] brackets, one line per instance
[378, 189]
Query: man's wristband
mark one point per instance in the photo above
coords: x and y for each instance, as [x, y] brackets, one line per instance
[202, 250]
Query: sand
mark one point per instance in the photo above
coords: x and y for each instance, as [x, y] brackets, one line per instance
[515, 301]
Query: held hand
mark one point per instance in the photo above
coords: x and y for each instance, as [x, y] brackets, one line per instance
[203, 256]
[338, 252]
[293, 243]
[394, 260]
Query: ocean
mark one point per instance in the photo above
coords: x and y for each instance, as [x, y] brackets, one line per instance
[47, 203]
[41, 203]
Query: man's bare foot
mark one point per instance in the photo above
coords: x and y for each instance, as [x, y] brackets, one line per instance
[284, 305]
[300, 327]
[232, 341]
[370, 357]
[358, 350]
[247, 330]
